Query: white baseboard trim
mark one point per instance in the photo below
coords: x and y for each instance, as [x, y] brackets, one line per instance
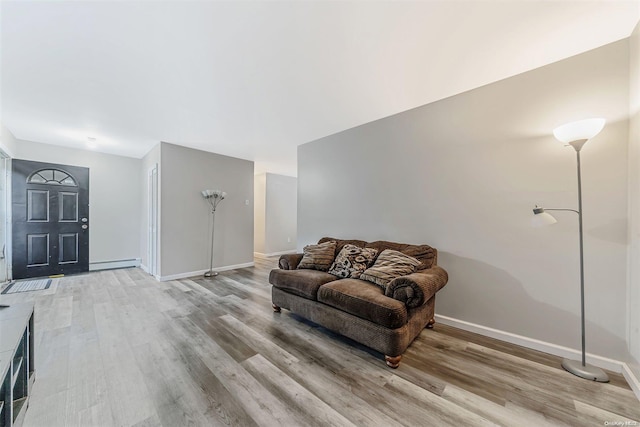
[546, 347]
[144, 268]
[634, 382]
[263, 256]
[201, 272]
[109, 265]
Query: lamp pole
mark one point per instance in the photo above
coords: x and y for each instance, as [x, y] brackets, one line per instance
[214, 198]
[212, 273]
[582, 321]
[581, 369]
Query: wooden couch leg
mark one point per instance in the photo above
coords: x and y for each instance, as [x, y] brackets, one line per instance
[393, 361]
[431, 323]
[275, 308]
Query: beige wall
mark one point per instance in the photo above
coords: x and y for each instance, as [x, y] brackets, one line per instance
[185, 218]
[275, 213]
[114, 197]
[633, 300]
[259, 213]
[281, 217]
[463, 175]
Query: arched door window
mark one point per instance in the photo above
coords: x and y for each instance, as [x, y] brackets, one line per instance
[52, 176]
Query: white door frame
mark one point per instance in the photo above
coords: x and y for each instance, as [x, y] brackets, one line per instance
[152, 221]
[6, 244]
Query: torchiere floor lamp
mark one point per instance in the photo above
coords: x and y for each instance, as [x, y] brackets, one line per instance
[576, 134]
[214, 197]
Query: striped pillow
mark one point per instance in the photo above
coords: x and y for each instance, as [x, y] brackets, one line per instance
[389, 265]
[318, 257]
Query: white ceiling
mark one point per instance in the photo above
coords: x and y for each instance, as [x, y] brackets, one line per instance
[256, 79]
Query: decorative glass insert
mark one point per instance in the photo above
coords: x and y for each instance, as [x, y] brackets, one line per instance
[52, 176]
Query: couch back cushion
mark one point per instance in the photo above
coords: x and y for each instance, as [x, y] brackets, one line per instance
[318, 257]
[389, 265]
[340, 243]
[423, 253]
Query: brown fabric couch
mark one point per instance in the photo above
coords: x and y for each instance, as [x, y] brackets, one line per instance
[385, 320]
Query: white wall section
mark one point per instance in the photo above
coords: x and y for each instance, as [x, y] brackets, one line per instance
[633, 299]
[7, 141]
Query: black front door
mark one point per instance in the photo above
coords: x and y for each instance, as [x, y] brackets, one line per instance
[50, 217]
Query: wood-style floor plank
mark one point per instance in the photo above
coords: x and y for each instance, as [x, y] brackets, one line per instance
[117, 348]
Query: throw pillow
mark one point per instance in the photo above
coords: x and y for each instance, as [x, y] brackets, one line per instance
[318, 257]
[352, 261]
[389, 265]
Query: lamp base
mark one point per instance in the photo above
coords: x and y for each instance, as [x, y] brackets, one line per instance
[211, 273]
[587, 372]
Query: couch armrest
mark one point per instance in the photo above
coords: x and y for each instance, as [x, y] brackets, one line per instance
[417, 288]
[289, 261]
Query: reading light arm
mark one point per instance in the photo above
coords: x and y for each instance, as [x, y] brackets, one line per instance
[539, 210]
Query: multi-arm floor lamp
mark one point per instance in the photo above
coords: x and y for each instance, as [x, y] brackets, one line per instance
[576, 134]
[214, 197]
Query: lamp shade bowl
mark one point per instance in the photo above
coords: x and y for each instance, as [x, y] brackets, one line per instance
[580, 130]
[542, 218]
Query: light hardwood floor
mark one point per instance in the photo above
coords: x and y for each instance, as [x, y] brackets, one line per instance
[117, 348]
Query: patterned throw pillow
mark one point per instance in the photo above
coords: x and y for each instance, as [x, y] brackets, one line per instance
[318, 257]
[389, 265]
[352, 261]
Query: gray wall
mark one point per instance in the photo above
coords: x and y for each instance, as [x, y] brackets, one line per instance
[463, 174]
[114, 197]
[185, 218]
[633, 301]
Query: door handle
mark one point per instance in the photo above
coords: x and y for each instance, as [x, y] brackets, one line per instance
[84, 220]
[85, 226]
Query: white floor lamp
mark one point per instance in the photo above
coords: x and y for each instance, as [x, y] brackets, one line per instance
[576, 134]
[214, 197]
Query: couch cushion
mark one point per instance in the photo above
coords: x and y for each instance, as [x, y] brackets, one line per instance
[341, 243]
[423, 253]
[304, 283]
[389, 265]
[365, 300]
[352, 261]
[318, 257]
